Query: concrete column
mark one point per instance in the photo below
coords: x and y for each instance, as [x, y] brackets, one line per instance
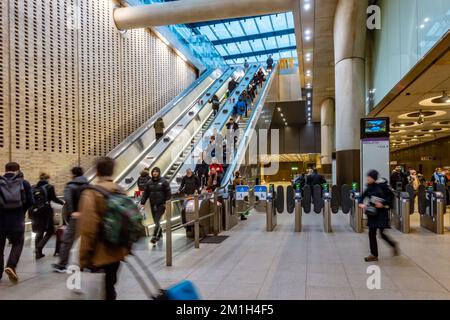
[349, 50]
[191, 11]
[327, 128]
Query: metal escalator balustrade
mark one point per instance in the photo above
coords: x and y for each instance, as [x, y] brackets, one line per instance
[143, 138]
[217, 125]
[163, 152]
[248, 124]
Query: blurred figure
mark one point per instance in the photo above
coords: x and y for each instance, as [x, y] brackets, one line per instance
[237, 182]
[231, 86]
[213, 180]
[15, 199]
[72, 195]
[159, 128]
[315, 179]
[42, 215]
[189, 184]
[215, 101]
[95, 253]
[438, 177]
[269, 63]
[246, 65]
[201, 170]
[143, 179]
[377, 200]
[398, 179]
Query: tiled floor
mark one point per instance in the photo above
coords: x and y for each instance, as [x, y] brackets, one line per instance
[254, 264]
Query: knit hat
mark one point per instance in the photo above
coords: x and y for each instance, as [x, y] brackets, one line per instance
[373, 174]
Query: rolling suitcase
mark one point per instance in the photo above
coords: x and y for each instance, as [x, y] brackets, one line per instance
[184, 290]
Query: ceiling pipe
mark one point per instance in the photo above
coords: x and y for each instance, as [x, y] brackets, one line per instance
[191, 11]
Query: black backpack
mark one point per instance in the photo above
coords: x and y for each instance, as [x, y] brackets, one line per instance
[41, 201]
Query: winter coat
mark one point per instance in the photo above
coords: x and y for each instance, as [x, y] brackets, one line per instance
[217, 166]
[201, 170]
[215, 104]
[232, 85]
[157, 191]
[142, 182]
[241, 107]
[70, 194]
[14, 219]
[190, 184]
[159, 126]
[315, 179]
[40, 220]
[94, 251]
[398, 180]
[379, 190]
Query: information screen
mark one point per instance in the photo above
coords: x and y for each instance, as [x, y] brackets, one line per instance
[374, 128]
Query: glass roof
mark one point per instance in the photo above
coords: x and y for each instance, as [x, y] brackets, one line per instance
[252, 38]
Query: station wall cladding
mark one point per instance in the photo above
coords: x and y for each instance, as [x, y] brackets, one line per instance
[70, 94]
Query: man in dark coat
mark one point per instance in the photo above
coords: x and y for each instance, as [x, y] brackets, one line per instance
[398, 179]
[12, 220]
[158, 192]
[376, 201]
[189, 184]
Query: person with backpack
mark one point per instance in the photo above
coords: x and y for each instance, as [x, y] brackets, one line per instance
[15, 199]
[72, 194]
[189, 184]
[157, 192]
[376, 200]
[159, 128]
[100, 206]
[143, 179]
[41, 214]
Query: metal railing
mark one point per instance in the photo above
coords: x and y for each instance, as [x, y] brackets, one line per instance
[195, 222]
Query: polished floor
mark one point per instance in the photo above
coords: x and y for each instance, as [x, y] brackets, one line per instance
[254, 264]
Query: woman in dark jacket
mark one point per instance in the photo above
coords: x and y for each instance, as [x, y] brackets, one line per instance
[215, 101]
[41, 213]
[143, 179]
[376, 201]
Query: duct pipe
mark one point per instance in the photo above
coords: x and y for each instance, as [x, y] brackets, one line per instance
[191, 11]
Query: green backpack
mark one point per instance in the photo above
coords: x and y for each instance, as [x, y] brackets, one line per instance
[122, 221]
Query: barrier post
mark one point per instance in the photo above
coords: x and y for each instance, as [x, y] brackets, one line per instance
[327, 213]
[197, 222]
[169, 233]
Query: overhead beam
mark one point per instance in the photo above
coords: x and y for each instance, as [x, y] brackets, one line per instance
[258, 53]
[254, 37]
[212, 23]
[192, 11]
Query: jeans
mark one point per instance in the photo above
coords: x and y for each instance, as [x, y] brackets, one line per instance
[44, 232]
[157, 213]
[111, 279]
[373, 240]
[67, 242]
[16, 238]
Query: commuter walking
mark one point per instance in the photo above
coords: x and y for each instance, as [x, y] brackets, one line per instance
[72, 195]
[213, 180]
[41, 214]
[159, 128]
[231, 86]
[201, 170]
[15, 199]
[438, 177]
[246, 65]
[215, 101]
[95, 252]
[157, 192]
[240, 107]
[143, 179]
[269, 63]
[376, 200]
[398, 179]
[189, 184]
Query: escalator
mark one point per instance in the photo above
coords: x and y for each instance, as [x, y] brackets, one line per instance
[190, 155]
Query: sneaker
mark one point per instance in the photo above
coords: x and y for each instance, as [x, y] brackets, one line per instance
[59, 268]
[39, 255]
[11, 272]
[243, 218]
[371, 258]
[153, 240]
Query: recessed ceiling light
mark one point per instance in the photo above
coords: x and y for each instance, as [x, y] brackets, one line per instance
[307, 6]
[307, 38]
[445, 98]
[426, 20]
[307, 32]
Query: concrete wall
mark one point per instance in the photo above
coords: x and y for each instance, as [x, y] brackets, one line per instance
[71, 92]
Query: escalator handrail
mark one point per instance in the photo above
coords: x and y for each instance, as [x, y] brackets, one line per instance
[223, 107]
[128, 141]
[261, 100]
[156, 159]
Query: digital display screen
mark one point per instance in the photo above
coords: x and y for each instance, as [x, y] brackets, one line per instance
[376, 126]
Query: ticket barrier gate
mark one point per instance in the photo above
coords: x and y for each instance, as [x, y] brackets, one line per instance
[326, 212]
[350, 205]
[401, 211]
[271, 212]
[432, 209]
[298, 210]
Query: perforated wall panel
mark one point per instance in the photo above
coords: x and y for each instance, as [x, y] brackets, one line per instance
[73, 94]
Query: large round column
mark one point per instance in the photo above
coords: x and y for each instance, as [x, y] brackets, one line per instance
[349, 51]
[327, 127]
